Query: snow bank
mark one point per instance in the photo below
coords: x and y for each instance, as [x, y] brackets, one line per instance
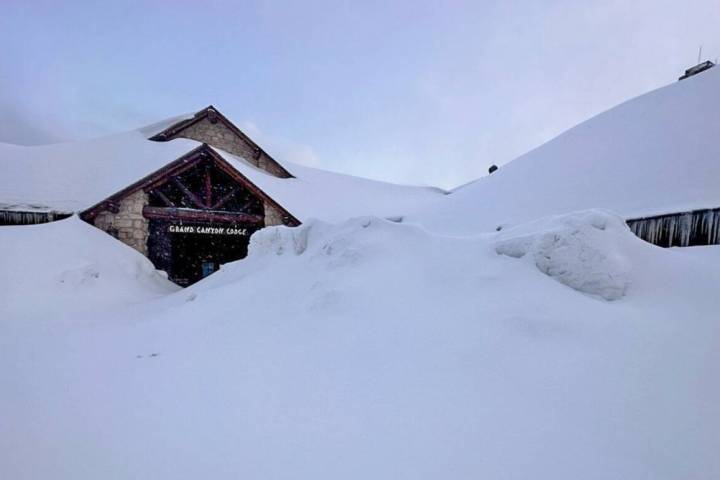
[323, 238]
[68, 266]
[581, 250]
[588, 251]
[321, 248]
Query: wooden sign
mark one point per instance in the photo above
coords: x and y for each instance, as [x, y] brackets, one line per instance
[204, 230]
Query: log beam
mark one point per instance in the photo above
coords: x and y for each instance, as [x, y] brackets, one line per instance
[208, 188]
[223, 200]
[164, 198]
[194, 198]
[206, 216]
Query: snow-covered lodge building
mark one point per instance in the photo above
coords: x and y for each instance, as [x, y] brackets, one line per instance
[197, 212]
[187, 192]
[193, 213]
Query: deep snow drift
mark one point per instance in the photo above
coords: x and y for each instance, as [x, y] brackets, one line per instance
[579, 250]
[369, 349]
[69, 266]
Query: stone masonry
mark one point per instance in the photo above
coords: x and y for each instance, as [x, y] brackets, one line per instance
[219, 135]
[128, 224]
[272, 216]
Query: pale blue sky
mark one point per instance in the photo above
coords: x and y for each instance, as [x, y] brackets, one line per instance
[407, 91]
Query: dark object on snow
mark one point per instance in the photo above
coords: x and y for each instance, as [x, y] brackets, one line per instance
[492, 168]
[700, 67]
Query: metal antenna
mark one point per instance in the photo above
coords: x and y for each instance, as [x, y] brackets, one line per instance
[699, 54]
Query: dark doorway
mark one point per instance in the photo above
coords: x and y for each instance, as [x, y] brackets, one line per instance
[190, 252]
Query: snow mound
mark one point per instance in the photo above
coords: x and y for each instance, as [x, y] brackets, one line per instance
[333, 252]
[581, 250]
[325, 239]
[281, 240]
[71, 266]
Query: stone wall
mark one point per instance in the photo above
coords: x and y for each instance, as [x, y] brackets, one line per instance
[219, 135]
[128, 225]
[272, 216]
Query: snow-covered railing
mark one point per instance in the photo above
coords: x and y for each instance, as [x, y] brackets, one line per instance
[15, 217]
[697, 227]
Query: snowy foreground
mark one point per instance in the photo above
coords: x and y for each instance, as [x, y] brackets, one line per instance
[564, 348]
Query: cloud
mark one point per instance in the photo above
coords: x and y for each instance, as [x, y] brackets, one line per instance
[19, 128]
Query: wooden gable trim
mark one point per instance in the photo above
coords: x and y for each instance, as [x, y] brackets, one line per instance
[242, 179]
[148, 182]
[187, 161]
[214, 116]
[177, 127]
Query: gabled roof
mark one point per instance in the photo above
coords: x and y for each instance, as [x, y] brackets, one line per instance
[184, 122]
[213, 115]
[176, 167]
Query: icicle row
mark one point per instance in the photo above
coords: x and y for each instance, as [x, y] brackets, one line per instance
[700, 227]
[10, 217]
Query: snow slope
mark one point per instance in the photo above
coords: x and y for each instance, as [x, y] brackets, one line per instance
[334, 197]
[72, 267]
[654, 154]
[371, 349]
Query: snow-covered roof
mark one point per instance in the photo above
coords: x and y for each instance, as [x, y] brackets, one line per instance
[153, 129]
[655, 154]
[315, 193]
[72, 177]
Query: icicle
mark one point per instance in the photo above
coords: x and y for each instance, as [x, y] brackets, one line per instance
[699, 227]
[13, 217]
